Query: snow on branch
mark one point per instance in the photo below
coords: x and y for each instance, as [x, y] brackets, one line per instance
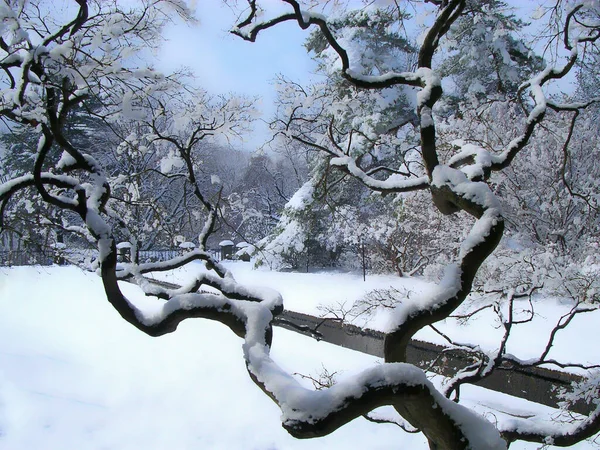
[227, 286]
[536, 84]
[10, 187]
[484, 162]
[249, 29]
[573, 106]
[477, 199]
[477, 194]
[311, 413]
[173, 263]
[393, 183]
[306, 413]
[551, 433]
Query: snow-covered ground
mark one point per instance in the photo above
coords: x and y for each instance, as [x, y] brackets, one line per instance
[302, 292]
[309, 292]
[74, 375]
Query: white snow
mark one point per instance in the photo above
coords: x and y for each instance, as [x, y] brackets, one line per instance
[480, 231]
[66, 160]
[171, 162]
[430, 300]
[393, 182]
[477, 192]
[429, 81]
[73, 374]
[62, 50]
[25, 179]
[302, 197]
[309, 292]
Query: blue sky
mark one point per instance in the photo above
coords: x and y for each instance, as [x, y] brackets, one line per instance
[223, 63]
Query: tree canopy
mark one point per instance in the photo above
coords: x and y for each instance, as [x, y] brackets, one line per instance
[463, 133]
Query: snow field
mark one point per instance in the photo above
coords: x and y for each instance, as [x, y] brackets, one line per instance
[74, 375]
[306, 292]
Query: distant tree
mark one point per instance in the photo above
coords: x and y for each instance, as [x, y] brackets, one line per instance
[146, 132]
[266, 184]
[174, 161]
[32, 224]
[51, 67]
[368, 123]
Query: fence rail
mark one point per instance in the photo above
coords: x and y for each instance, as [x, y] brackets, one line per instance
[158, 255]
[25, 258]
[48, 257]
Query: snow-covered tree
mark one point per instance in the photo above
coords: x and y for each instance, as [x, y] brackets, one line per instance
[486, 59]
[51, 67]
[459, 165]
[187, 165]
[28, 217]
[379, 128]
[553, 227]
[265, 185]
[155, 137]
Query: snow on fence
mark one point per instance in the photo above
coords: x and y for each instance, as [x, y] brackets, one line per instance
[46, 257]
[159, 254]
[79, 256]
[25, 258]
[166, 254]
